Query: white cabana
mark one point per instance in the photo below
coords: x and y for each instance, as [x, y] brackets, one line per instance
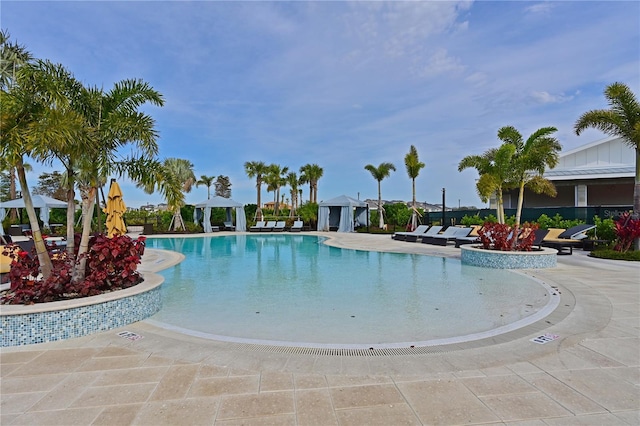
[41, 202]
[339, 213]
[226, 203]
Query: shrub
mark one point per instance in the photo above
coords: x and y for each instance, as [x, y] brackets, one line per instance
[497, 236]
[627, 229]
[472, 220]
[111, 265]
[632, 256]
[546, 222]
[605, 229]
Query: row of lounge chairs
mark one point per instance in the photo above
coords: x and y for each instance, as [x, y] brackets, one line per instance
[437, 235]
[273, 226]
[563, 240]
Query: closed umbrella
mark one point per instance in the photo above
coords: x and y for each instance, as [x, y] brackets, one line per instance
[114, 210]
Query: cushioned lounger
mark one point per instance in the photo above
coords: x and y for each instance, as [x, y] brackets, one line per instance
[297, 226]
[402, 236]
[443, 240]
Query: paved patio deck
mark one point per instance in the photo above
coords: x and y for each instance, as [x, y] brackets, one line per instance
[590, 375]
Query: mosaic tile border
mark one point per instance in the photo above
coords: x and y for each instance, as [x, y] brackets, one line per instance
[545, 258]
[18, 328]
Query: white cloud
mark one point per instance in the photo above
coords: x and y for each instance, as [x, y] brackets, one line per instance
[547, 98]
[540, 8]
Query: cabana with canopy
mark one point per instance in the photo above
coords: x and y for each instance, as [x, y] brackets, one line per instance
[339, 213]
[202, 212]
[41, 202]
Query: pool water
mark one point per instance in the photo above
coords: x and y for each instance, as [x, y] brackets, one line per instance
[293, 289]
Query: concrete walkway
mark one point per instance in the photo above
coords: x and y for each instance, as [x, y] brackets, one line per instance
[590, 375]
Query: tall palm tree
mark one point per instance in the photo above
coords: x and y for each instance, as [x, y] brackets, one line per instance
[180, 172]
[257, 169]
[413, 165]
[276, 178]
[621, 119]
[293, 181]
[311, 174]
[114, 120]
[12, 57]
[494, 168]
[379, 173]
[35, 118]
[208, 182]
[532, 157]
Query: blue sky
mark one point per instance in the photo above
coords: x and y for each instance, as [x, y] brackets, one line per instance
[343, 84]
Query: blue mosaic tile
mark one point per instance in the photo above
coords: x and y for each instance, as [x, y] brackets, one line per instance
[506, 260]
[41, 327]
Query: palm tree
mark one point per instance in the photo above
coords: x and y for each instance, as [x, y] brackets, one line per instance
[293, 181]
[12, 57]
[257, 169]
[180, 172]
[114, 121]
[208, 182]
[494, 167]
[532, 157]
[311, 173]
[621, 119]
[413, 165]
[379, 173]
[276, 178]
[223, 186]
[35, 117]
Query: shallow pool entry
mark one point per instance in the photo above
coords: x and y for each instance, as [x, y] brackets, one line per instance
[293, 290]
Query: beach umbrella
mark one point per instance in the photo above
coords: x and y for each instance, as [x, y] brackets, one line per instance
[114, 210]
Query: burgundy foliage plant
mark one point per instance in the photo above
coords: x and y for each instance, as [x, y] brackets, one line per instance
[111, 265]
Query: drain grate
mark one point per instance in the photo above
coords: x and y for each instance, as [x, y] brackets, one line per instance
[348, 352]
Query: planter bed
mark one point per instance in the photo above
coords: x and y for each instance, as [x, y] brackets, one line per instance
[536, 259]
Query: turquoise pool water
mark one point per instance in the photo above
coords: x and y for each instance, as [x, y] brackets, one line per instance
[293, 289]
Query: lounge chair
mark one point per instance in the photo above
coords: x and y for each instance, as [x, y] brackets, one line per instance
[563, 244]
[228, 226]
[258, 227]
[279, 226]
[5, 260]
[443, 239]
[473, 237]
[450, 231]
[540, 235]
[578, 232]
[269, 226]
[297, 226]
[434, 230]
[401, 236]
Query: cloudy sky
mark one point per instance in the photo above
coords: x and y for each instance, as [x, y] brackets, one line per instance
[343, 84]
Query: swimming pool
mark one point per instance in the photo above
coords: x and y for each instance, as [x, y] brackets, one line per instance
[294, 290]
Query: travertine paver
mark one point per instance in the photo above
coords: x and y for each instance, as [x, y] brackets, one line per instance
[590, 375]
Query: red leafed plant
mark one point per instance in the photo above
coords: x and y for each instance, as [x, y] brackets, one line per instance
[627, 229]
[111, 265]
[502, 237]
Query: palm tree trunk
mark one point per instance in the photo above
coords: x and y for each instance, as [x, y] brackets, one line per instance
[13, 213]
[499, 206]
[518, 213]
[88, 203]
[259, 209]
[381, 219]
[71, 209]
[46, 267]
[636, 195]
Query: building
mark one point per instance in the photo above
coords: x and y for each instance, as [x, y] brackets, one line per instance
[598, 174]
